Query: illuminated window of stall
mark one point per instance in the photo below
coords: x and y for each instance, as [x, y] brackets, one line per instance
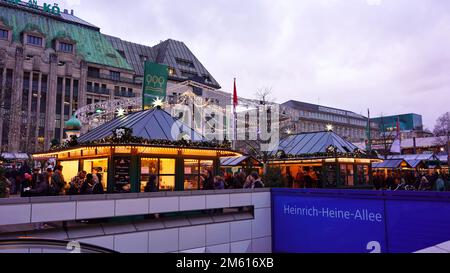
[163, 168]
[70, 169]
[193, 169]
[149, 166]
[347, 175]
[99, 165]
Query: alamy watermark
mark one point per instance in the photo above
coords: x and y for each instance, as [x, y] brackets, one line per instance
[261, 124]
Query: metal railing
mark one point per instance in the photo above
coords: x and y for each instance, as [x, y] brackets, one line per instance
[124, 94]
[102, 91]
[113, 78]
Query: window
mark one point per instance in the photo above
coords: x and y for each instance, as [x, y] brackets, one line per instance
[188, 74]
[115, 75]
[185, 63]
[34, 40]
[163, 168]
[65, 47]
[4, 34]
[143, 58]
[193, 169]
[122, 53]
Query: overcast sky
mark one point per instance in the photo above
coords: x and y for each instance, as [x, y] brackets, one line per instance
[392, 56]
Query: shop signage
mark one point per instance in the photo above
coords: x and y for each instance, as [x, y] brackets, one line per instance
[122, 173]
[333, 221]
[48, 8]
[155, 83]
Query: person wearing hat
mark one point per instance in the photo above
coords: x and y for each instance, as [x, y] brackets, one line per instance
[26, 185]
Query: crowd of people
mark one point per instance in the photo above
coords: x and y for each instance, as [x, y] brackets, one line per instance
[412, 181]
[28, 182]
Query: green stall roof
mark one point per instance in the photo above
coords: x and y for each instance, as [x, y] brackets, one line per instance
[92, 46]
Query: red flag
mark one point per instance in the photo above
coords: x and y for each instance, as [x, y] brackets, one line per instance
[235, 96]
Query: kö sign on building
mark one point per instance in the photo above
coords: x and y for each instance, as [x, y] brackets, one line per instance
[55, 10]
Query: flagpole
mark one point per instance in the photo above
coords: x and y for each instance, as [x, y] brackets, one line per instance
[369, 133]
[235, 115]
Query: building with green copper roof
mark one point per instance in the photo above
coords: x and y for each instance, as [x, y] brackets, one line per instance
[92, 46]
[53, 63]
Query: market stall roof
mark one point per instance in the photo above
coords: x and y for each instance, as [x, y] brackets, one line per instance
[237, 161]
[15, 156]
[414, 163]
[389, 164]
[443, 158]
[425, 157]
[155, 124]
[313, 143]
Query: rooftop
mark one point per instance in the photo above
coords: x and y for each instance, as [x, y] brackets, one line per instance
[320, 108]
[155, 124]
[308, 144]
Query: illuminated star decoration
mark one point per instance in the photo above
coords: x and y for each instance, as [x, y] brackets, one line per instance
[120, 112]
[158, 103]
[330, 128]
[288, 131]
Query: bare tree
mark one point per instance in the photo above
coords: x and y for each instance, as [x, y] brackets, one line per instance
[442, 132]
[265, 95]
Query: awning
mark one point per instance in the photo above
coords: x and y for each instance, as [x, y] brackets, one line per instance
[414, 163]
[237, 161]
[15, 156]
[389, 164]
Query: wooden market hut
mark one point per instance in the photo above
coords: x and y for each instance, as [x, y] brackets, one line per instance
[128, 149]
[325, 157]
[245, 163]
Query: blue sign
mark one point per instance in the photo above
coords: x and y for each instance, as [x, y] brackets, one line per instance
[317, 221]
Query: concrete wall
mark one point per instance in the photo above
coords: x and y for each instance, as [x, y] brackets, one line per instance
[216, 234]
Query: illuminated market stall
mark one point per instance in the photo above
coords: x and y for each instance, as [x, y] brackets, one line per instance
[323, 160]
[243, 163]
[131, 148]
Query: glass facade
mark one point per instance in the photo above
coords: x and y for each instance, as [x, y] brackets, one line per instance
[409, 122]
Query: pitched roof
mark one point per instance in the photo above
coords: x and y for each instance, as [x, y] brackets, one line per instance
[153, 124]
[388, 164]
[172, 53]
[312, 143]
[236, 161]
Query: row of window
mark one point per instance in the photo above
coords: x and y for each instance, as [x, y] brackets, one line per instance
[38, 41]
[328, 117]
[102, 89]
[344, 131]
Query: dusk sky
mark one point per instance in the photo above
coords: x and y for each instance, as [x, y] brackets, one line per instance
[392, 56]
